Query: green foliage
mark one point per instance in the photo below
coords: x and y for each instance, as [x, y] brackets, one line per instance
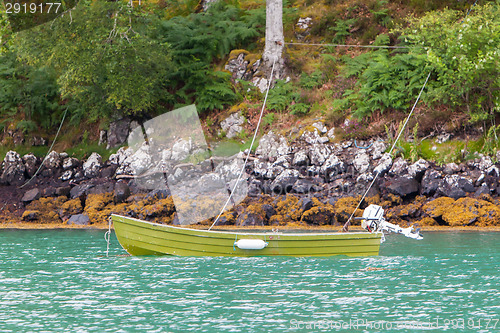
[281, 96]
[34, 89]
[26, 126]
[341, 30]
[102, 55]
[195, 41]
[490, 145]
[300, 109]
[463, 58]
[268, 119]
[313, 80]
[5, 34]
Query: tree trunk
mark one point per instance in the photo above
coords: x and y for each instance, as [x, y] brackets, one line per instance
[275, 41]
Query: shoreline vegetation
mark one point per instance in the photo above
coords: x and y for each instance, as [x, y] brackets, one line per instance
[328, 123]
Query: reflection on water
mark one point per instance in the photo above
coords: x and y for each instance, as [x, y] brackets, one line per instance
[60, 280]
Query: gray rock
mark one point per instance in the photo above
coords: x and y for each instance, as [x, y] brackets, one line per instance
[361, 162]
[484, 163]
[181, 149]
[92, 165]
[121, 155]
[451, 168]
[399, 167]
[12, 169]
[52, 161]
[332, 167]
[103, 137]
[431, 181]
[378, 148]
[403, 186]
[63, 191]
[271, 146]
[118, 132]
[314, 137]
[285, 181]
[70, 163]
[121, 193]
[67, 175]
[31, 164]
[305, 186]
[232, 125]
[483, 189]
[417, 169]
[136, 163]
[30, 195]
[49, 191]
[300, 158]
[384, 164]
[80, 190]
[318, 154]
[79, 219]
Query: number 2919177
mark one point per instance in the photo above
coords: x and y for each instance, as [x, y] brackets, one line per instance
[32, 8]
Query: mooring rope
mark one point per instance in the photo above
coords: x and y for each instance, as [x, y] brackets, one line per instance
[349, 45]
[345, 228]
[249, 149]
[107, 236]
[50, 150]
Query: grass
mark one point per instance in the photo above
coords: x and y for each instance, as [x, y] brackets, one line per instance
[453, 151]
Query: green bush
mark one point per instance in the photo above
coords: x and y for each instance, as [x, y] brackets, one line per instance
[462, 56]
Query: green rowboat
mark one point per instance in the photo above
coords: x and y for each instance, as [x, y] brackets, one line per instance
[139, 237]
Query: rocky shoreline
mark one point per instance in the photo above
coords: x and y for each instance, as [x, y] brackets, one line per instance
[310, 182]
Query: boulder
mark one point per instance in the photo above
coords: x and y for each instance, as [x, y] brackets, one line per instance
[378, 148]
[52, 161]
[63, 191]
[232, 125]
[92, 165]
[417, 169]
[285, 181]
[30, 195]
[70, 163]
[271, 146]
[80, 190]
[121, 192]
[384, 164]
[399, 167]
[31, 164]
[253, 215]
[13, 169]
[79, 219]
[430, 183]
[361, 162]
[300, 158]
[402, 186]
[118, 133]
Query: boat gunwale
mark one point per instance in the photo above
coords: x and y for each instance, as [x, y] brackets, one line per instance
[164, 226]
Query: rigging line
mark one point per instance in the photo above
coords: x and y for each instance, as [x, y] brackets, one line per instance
[345, 228]
[349, 45]
[250, 149]
[50, 150]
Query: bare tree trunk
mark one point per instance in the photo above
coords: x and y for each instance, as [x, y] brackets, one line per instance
[275, 41]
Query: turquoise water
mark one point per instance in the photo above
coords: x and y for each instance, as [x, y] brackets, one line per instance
[60, 280]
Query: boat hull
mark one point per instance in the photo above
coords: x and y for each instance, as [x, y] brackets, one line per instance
[139, 237]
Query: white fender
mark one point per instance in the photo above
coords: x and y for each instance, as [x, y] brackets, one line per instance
[250, 244]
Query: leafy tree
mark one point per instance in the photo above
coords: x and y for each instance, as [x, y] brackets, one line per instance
[462, 55]
[104, 58]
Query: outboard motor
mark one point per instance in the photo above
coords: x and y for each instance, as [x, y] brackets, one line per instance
[373, 220]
